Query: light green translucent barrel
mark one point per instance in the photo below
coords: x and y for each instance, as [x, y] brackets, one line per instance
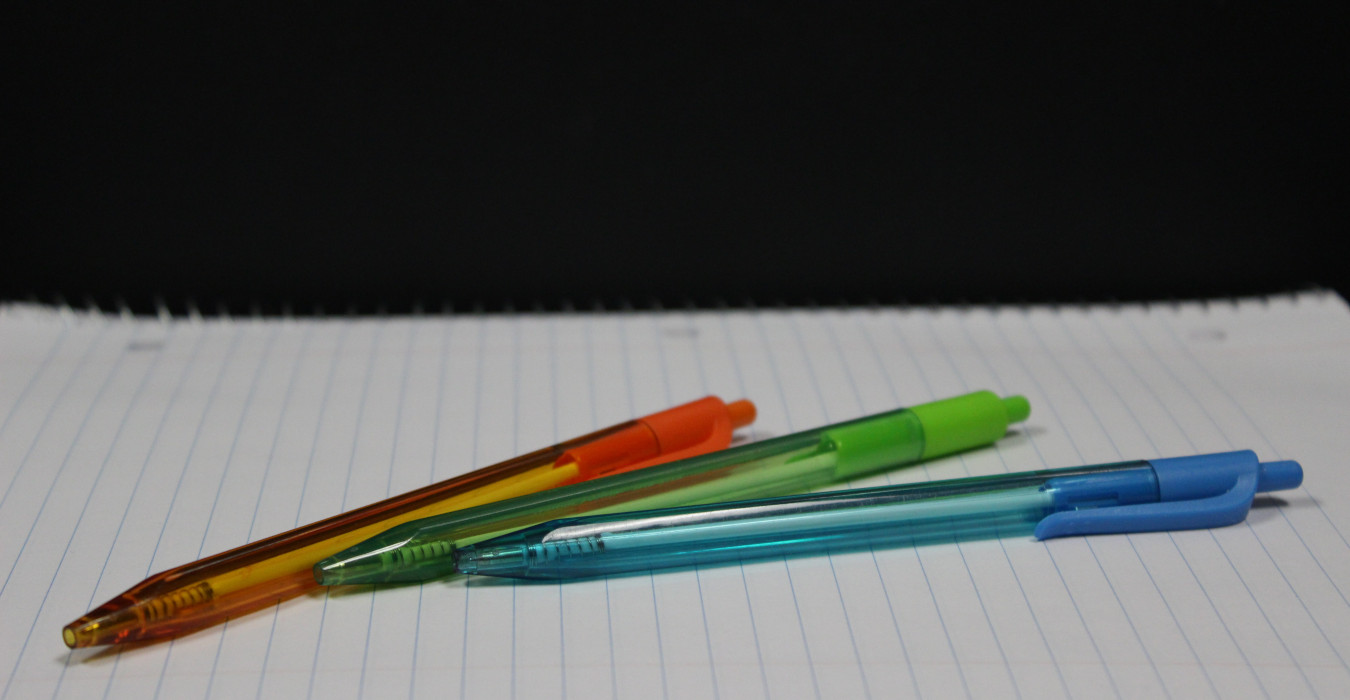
[421, 549]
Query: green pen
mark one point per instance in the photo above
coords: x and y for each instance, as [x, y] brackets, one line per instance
[421, 550]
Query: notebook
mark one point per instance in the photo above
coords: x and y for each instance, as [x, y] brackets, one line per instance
[132, 444]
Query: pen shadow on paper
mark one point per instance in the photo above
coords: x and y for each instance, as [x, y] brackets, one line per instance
[108, 654]
[745, 437]
[360, 589]
[1266, 507]
[1020, 435]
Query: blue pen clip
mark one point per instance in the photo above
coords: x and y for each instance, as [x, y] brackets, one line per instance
[1203, 491]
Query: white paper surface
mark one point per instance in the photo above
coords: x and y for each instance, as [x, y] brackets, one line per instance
[128, 446]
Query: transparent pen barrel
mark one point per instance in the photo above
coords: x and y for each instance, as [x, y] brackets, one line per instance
[430, 548]
[799, 462]
[733, 537]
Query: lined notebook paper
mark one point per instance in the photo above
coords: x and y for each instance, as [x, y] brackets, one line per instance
[130, 445]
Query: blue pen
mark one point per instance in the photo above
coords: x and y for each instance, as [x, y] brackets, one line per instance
[1179, 493]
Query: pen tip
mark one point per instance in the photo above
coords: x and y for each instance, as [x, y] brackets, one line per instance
[83, 632]
[320, 575]
[398, 559]
[339, 570]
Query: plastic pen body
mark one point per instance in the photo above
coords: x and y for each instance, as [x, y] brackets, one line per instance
[423, 549]
[1123, 497]
[260, 574]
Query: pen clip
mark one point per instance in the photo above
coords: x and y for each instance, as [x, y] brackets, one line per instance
[1216, 511]
[688, 430]
[1195, 492]
[718, 437]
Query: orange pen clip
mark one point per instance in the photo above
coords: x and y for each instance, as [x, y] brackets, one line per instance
[688, 430]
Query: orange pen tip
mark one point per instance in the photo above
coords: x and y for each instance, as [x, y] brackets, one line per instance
[742, 413]
[82, 633]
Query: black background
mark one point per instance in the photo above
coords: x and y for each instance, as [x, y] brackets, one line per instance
[508, 155]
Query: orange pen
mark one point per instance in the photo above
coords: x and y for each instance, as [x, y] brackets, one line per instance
[263, 573]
